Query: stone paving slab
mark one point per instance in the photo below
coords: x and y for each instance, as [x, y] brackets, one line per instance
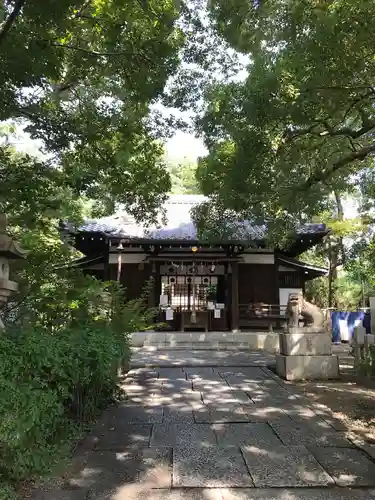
[212, 385]
[267, 398]
[141, 386]
[260, 435]
[266, 413]
[229, 397]
[137, 413]
[145, 378]
[284, 466]
[171, 372]
[182, 415]
[247, 413]
[212, 414]
[170, 385]
[264, 391]
[198, 371]
[119, 435]
[304, 415]
[240, 384]
[108, 473]
[149, 357]
[325, 414]
[309, 435]
[181, 395]
[141, 373]
[138, 492]
[362, 444]
[296, 494]
[181, 434]
[249, 373]
[348, 467]
[176, 494]
[209, 466]
[60, 494]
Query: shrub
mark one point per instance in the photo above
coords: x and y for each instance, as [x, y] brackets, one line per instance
[7, 492]
[53, 378]
[367, 365]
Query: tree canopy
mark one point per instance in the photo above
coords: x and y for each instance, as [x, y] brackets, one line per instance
[82, 76]
[301, 124]
[183, 177]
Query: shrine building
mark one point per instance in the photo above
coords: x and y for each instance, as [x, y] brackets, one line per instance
[234, 284]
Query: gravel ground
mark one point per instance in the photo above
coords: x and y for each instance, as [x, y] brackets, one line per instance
[351, 399]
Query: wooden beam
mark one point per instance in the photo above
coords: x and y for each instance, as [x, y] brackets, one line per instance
[192, 258]
[235, 298]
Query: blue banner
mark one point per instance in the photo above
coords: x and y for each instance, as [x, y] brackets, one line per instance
[343, 324]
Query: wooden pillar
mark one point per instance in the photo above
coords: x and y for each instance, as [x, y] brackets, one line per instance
[235, 298]
[151, 295]
[107, 271]
[154, 296]
[157, 283]
[277, 293]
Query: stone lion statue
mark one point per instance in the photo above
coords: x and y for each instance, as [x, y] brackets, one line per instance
[297, 306]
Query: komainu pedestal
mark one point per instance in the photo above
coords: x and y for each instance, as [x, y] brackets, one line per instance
[305, 351]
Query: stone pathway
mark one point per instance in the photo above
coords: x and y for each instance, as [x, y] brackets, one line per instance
[229, 431]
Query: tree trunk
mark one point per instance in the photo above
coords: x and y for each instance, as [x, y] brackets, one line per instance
[336, 254]
[330, 274]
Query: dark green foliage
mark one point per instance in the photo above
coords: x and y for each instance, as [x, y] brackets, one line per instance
[81, 77]
[301, 124]
[367, 366]
[183, 178]
[58, 368]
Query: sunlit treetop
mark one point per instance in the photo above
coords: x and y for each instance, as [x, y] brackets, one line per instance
[302, 122]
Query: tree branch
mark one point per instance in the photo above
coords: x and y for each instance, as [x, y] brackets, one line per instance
[94, 53]
[85, 4]
[88, 52]
[331, 131]
[348, 132]
[322, 176]
[340, 88]
[7, 26]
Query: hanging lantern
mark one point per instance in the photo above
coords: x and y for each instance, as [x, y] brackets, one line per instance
[120, 247]
[119, 266]
[194, 249]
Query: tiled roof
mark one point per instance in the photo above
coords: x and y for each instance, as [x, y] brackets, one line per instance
[179, 224]
[298, 263]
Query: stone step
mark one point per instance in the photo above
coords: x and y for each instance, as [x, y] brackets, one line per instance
[207, 340]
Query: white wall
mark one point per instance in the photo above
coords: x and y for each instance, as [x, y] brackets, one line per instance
[287, 269]
[284, 294]
[131, 258]
[258, 258]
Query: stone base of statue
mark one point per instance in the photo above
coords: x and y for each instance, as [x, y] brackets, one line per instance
[306, 354]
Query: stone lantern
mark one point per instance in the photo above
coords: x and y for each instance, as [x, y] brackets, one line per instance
[9, 250]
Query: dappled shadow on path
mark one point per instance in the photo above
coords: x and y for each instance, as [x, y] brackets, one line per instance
[203, 432]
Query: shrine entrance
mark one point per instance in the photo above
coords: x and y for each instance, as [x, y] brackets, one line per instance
[194, 296]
